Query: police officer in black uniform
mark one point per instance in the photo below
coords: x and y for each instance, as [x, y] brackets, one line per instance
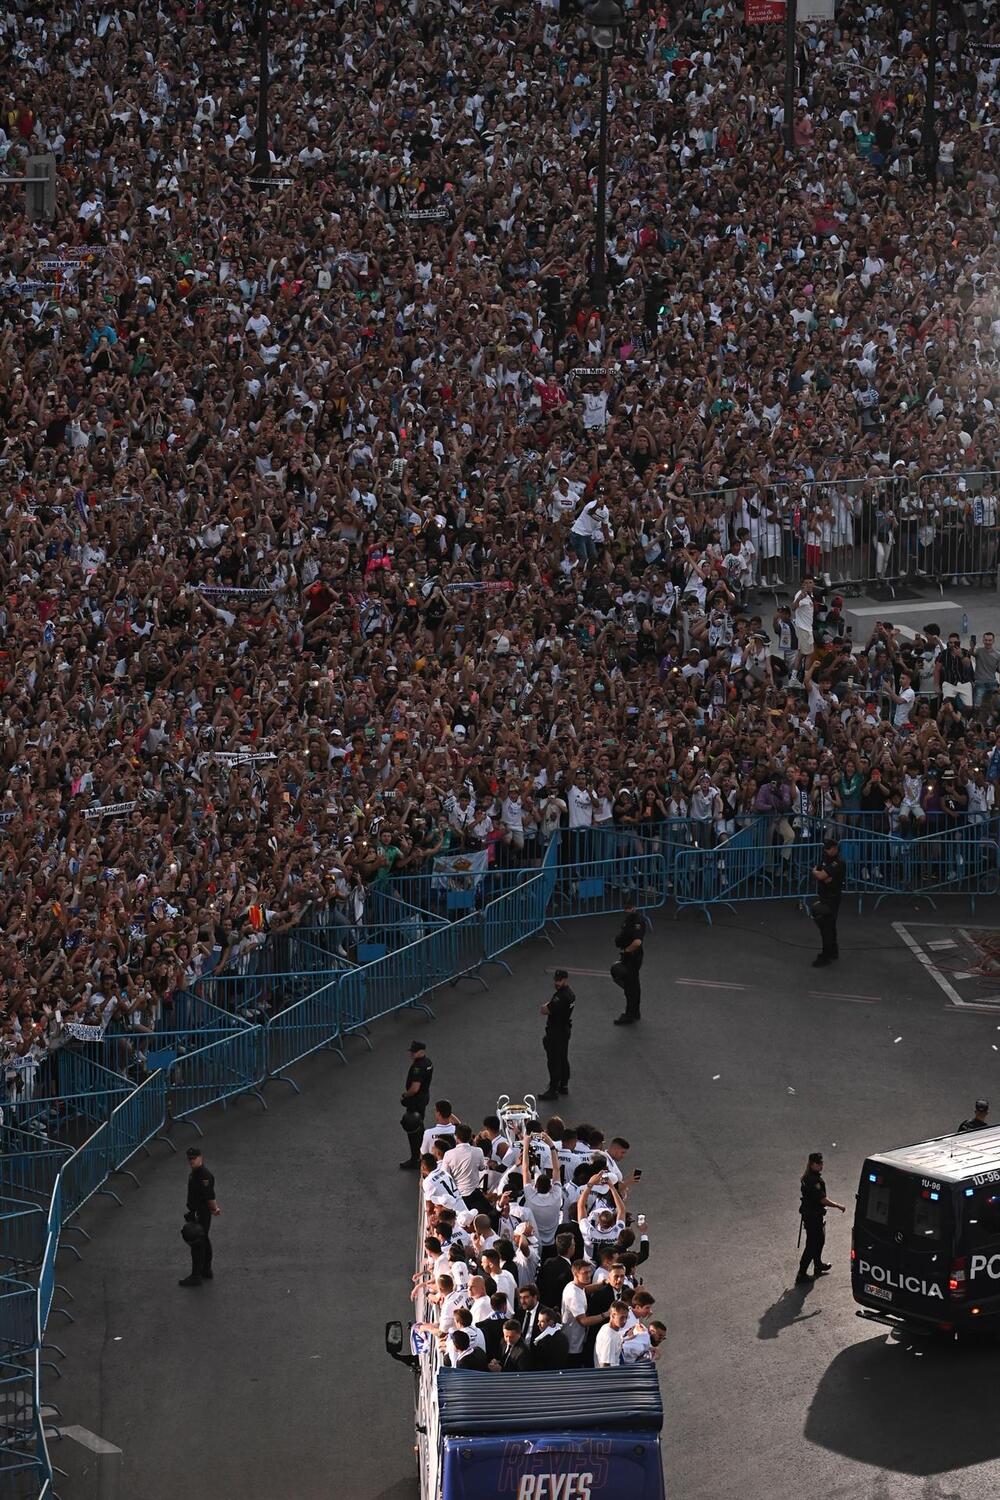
[415, 1099]
[201, 1209]
[829, 878]
[558, 1013]
[979, 1120]
[629, 943]
[812, 1210]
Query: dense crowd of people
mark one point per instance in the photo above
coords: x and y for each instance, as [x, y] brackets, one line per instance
[532, 1253]
[341, 528]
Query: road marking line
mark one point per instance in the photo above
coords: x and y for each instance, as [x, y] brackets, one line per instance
[88, 1439]
[837, 995]
[984, 1008]
[711, 984]
[963, 974]
[900, 609]
[939, 944]
[900, 929]
[963, 931]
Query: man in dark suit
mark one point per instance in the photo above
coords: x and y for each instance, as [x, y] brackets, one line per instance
[527, 1314]
[556, 1273]
[491, 1329]
[550, 1351]
[468, 1358]
[515, 1356]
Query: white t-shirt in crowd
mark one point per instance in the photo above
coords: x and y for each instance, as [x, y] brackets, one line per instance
[546, 1209]
[507, 1284]
[446, 1320]
[803, 611]
[608, 1349]
[904, 708]
[581, 807]
[439, 1187]
[592, 519]
[465, 1162]
[431, 1134]
[594, 1235]
[574, 1305]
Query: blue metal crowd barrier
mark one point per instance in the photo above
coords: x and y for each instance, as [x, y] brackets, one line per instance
[307, 1026]
[402, 977]
[518, 914]
[25, 1467]
[86, 1172]
[954, 861]
[234, 1065]
[31, 1164]
[319, 953]
[47, 1269]
[137, 1119]
[65, 1117]
[18, 1316]
[599, 887]
[741, 871]
[452, 892]
[23, 1227]
[196, 1009]
[137, 1054]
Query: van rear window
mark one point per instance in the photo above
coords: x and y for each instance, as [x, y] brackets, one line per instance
[877, 1203]
[926, 1218]
[983, 1218]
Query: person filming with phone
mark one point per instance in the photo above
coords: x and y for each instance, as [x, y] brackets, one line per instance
[600, 1223]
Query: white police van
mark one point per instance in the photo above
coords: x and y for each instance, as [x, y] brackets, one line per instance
[925, 1250]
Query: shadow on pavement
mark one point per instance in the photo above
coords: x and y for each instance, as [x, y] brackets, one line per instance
[405, 1489]
[786, 1311]
[917, 1408]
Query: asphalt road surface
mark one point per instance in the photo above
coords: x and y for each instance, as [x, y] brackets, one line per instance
[271, 1382]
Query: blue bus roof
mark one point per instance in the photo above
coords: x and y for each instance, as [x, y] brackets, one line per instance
[626, 1398]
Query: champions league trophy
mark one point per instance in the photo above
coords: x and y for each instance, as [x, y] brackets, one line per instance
[513, 1116]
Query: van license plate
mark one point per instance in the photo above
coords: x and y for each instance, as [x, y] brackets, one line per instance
[882, 1293]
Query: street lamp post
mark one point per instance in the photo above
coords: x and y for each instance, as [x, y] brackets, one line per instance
[791, 17]
[262, 153]
[930, 141]
[605, 17]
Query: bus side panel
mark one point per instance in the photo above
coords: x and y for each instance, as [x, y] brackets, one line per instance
[604, 1466]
